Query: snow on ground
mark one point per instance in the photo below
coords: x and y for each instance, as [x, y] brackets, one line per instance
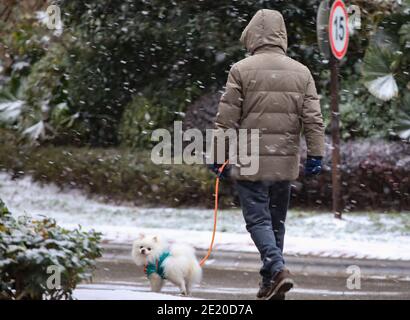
[359, 235]
[129, 291]
[115, 292]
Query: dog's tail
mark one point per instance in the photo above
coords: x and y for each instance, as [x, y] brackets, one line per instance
[196, 273]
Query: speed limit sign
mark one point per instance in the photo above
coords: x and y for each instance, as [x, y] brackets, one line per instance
[339, 29]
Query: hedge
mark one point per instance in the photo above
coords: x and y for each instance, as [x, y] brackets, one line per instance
[375, 174]
[115, 174]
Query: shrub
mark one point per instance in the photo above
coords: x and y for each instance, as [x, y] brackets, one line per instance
[362, 115]
[116, 174]
[24, 37]
[141, 116]
[38, 87]
[375, 176]
[152, 110]
[28, 247]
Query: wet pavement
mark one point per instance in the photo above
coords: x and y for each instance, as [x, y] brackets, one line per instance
[242, 283]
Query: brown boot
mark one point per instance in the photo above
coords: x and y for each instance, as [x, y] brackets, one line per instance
[264, 290]
[280, 296]
[281, 283]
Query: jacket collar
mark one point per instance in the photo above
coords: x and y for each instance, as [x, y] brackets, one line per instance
[269, 49]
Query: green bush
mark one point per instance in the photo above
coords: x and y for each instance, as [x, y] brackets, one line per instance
[362, 115]
[139, 119]
[388, 58]
[116, 174]
[40, 86]
[153, 110]
[28, 247]
[23, 38]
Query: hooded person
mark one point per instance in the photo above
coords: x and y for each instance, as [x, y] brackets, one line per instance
[275, 94]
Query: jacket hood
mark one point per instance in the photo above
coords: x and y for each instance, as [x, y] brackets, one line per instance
[267, 28]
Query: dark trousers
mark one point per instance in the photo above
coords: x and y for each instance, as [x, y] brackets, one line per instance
[264, 205]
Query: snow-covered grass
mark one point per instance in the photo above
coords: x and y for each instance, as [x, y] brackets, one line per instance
[360, 235]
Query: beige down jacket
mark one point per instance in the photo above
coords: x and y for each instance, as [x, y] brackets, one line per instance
[277, 95]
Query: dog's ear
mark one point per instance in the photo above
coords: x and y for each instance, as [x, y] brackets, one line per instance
[142, 236]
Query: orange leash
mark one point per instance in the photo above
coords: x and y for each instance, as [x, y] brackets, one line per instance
[220, 170]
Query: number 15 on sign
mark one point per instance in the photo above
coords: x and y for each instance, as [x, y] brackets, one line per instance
[339, 29]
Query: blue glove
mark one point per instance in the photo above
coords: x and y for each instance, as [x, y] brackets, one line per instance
[215, 169]
[313, 166]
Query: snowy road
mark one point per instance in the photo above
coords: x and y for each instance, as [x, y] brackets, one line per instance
[115, 280]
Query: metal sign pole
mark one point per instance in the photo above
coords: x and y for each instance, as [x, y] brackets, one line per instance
[335, 128]
[333, 39]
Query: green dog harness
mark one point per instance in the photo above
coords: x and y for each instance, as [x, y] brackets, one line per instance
[157, 266]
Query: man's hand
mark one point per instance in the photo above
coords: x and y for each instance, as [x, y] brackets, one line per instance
[313, 166]
[215, 168]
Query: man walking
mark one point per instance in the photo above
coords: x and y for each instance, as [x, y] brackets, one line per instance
[277, 95]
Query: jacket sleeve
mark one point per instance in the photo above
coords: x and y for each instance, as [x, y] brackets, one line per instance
[230, 105]
[313, 121]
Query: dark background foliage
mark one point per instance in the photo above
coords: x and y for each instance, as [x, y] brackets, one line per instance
[121, 69]
[157, 48]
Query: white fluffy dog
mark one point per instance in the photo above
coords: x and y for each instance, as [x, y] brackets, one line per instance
[176, 263]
